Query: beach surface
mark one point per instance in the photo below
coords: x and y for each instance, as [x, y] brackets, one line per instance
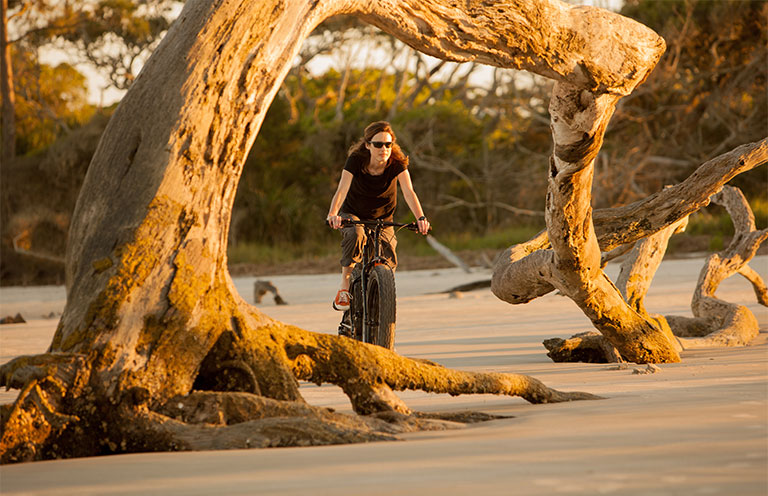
[698, 427]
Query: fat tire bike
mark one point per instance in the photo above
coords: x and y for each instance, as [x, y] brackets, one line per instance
[372, 309]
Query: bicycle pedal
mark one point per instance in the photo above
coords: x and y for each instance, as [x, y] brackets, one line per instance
[345, 330]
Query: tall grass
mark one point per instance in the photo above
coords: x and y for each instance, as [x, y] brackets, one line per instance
[713, 222]
[408, 242]
[716, 223]
[265, 253]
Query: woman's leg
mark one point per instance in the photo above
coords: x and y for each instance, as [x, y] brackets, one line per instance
[352, 244]
[346, 273]
[389, 247]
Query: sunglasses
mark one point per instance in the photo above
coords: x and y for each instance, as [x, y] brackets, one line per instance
[379, 144]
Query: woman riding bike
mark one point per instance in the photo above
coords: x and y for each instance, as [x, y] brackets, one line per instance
[368, 191]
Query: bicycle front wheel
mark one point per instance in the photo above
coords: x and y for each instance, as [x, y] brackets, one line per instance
[381, 307]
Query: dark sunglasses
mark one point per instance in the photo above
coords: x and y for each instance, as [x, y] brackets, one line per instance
[379, 144]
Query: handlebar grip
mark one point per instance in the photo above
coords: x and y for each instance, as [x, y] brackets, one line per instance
[344, 222]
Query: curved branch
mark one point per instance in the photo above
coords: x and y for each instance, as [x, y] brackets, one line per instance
[761, 291]
[637, 271]
[520, 273]
[585, 46]
[627, 224]
[728, 324]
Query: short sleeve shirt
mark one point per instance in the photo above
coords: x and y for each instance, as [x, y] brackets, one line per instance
[371, 197]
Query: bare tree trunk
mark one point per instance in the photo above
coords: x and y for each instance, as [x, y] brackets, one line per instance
[152, 312]
[637, 271]
[6, 90]
[634, 279]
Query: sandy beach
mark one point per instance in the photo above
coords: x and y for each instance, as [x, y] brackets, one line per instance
[696, 427]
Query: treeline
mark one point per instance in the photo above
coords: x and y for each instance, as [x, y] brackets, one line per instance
[478, 138]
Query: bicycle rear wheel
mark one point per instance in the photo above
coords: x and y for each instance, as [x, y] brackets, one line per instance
[381, 306]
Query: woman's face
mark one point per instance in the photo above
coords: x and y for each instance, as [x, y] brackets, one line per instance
[380, 147]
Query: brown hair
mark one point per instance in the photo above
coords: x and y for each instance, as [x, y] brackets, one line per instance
[372, 130]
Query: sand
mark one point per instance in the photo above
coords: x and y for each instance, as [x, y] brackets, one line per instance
[697, 427]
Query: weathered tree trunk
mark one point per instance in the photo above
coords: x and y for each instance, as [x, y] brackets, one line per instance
[634, 279]
[573, 265]
[151, 311]
[7, 93]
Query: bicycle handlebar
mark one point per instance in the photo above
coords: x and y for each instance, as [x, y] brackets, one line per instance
[412, 226]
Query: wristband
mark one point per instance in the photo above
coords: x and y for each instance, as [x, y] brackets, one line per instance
[423, 217]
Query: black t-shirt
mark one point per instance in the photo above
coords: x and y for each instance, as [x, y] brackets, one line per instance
[371, 197]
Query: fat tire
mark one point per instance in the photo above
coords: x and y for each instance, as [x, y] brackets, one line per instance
[356, 305]
[382, 306]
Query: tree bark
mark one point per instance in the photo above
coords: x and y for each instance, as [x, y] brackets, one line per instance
[573, 265]
[528, 271]
[715, 322]
[720, 323]
[151, 311]
[6, 90]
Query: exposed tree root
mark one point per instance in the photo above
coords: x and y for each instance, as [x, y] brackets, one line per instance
[58, 404]
[589, 347]
[368, 374]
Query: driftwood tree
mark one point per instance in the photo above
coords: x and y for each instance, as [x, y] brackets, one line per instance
[568, 256]
[715, 322]
[152, 314]
[156, 350]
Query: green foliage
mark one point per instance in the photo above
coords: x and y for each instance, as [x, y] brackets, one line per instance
[49, 102]
[706, 96]
[114, 36]
[38, 193]
[277, 253]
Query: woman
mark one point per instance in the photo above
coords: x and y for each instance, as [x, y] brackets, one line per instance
[368, 190]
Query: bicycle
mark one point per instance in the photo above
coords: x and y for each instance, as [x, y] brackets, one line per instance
[372, 311]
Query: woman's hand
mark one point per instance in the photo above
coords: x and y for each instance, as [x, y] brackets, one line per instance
[424, 225]
[334, 221]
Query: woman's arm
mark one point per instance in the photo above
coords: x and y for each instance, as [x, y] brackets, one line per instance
[404, 178]
[338, 199]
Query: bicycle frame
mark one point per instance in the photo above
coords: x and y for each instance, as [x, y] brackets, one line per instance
[371, 257]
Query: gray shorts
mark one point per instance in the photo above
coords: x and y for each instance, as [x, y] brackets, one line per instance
[353, 242]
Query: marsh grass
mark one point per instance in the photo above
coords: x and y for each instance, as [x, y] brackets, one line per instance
[708, 230]
[408, 242]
